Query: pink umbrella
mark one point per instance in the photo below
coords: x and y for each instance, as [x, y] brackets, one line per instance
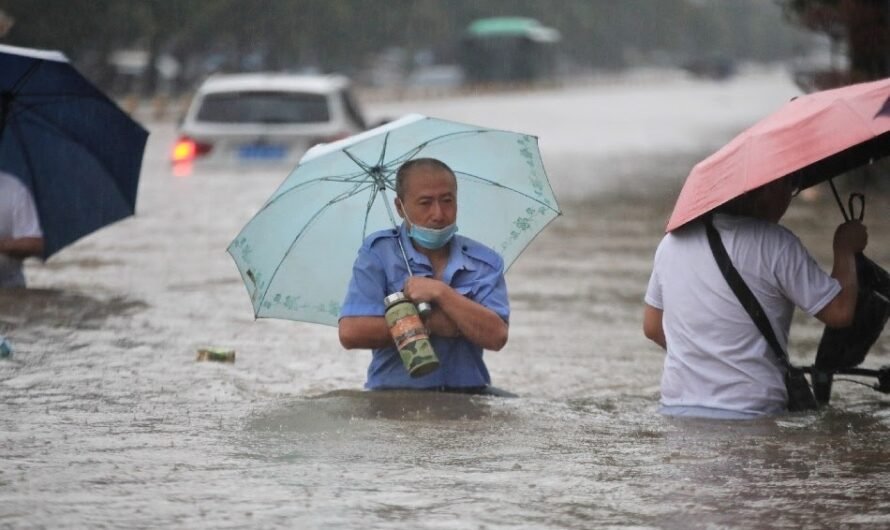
[818, 135]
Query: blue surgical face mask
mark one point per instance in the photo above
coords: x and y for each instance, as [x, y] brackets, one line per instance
[430, 238]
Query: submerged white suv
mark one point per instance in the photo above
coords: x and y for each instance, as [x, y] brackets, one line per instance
[264, 118]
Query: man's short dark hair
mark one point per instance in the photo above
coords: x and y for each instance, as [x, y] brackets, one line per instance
[406, 168]
[749, 203]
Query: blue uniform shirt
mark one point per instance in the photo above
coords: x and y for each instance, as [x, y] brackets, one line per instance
[473, 270]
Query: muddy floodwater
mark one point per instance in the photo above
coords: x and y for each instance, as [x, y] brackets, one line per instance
[108, 421]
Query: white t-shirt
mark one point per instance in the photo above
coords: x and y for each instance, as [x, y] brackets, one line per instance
[18, 218]
[716, 356]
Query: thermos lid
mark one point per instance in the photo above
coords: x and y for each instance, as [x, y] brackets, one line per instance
[397, 296]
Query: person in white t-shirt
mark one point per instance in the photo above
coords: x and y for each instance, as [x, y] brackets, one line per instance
[718, 364]
[20, 234]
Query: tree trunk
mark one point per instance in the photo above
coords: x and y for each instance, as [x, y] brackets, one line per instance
[868, 37]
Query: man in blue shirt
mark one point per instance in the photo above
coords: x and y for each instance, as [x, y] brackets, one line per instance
[462, 279]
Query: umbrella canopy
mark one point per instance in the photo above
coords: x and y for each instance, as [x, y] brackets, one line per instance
[296, 254]
[817, 136]
[74, 149]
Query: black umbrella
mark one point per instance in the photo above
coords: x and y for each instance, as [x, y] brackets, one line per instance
[77, 152]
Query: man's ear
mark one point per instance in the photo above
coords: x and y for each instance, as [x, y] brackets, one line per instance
[398, 204]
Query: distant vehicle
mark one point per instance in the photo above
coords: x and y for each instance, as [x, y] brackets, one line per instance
[508, 49]
[713, 66]
[264, 118]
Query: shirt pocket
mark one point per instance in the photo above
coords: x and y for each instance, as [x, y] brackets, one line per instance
[468, 289]
[396, 281]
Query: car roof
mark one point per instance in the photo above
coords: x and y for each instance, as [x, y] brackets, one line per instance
[274, 81]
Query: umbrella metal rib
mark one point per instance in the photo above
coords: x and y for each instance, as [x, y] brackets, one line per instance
[70, 136]
[27, 75]
[342, 197]
[381, 181]
[483, 180]
[366, 169]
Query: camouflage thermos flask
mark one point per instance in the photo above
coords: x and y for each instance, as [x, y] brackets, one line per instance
[410, 335]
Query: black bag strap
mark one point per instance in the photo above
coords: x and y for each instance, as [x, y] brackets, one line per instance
[743, 292]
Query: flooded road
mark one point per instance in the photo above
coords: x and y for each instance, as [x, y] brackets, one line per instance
[108, 421]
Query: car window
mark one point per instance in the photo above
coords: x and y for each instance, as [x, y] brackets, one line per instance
[264, 107]
[352, 110]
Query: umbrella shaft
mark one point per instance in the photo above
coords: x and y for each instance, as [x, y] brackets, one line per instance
[837, 197]
[5, 103]
[395, 226]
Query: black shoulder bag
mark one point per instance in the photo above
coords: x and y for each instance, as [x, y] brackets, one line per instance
[800, 396]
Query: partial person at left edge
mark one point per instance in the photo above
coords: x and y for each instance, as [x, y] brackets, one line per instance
[20, 233]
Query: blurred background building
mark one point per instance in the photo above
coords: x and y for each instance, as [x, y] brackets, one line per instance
[168, 46]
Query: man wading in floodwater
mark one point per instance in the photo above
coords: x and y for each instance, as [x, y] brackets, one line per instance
[461, 278]
[718, 363]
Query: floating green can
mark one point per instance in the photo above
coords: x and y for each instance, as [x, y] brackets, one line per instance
[220, 355]
[410, 335]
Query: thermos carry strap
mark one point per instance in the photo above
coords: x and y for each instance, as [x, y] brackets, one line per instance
[800, 397]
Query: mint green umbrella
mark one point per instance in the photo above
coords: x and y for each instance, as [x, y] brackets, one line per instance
[296, 254]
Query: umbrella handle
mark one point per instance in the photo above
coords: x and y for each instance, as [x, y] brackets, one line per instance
[851, 206]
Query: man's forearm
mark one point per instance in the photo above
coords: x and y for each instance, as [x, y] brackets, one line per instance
[850, 238]
[844, 271]
[22, 247]
[441, 324]
[476, 323]
[653, 325]
[364, 332]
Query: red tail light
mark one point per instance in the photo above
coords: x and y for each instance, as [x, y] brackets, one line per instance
[187, 149]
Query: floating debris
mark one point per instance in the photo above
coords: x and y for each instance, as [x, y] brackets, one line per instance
[220, 355]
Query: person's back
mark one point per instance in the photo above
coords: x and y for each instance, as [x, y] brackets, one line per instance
[718, 363]
[20, 234]
[716, 356]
